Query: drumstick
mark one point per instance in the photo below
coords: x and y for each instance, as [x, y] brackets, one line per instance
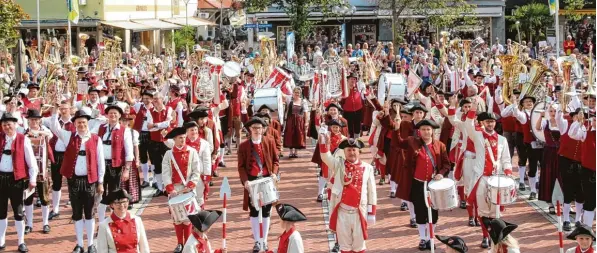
[560, 233]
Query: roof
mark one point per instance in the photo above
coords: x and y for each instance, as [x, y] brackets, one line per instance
[214, 4]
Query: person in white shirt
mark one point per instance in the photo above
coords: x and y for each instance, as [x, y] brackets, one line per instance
[584, 237]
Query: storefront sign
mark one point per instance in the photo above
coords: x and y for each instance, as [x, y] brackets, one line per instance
[141, 7]
[252, 26]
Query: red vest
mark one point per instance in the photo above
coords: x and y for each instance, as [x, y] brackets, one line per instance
[124, 233]
[19, 165]
[157, 118]
[72, 153]
[254, 166]
[174, 103]
[117, 138]
[528, 136]
[351, 194]
[517, 126]
[194, 144]
[588, 157]
[509, 124]
[140, 118]
[569, 147]
[69, 126]
[493, 142]
[353, 102]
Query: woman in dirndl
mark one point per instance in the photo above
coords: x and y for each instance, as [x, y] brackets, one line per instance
[132, 184]
[297, 122]
[550, 172]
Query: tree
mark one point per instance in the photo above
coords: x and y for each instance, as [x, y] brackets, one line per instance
[11, 15]
[183, 38]
[570, 6]
[534, 19]
[298, 11]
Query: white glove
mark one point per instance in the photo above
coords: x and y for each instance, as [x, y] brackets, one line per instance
[323, 130]
[370, 219]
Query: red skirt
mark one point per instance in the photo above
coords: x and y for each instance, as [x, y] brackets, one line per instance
[132, 185]
[550, 172]
[294, 133]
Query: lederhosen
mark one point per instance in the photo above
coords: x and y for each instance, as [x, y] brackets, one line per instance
[10, 188]
[157, 147]
[113, 172]
[58, 156]
[40, 150]
[265, 210]
[81, 191]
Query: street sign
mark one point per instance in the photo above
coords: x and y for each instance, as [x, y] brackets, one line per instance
[249, 26]
[253, 26]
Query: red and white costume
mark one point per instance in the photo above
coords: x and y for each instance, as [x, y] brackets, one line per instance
[122, 235]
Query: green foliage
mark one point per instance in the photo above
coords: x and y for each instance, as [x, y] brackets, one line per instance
[11, 15]
[570, 6]
[534, 18]
[183, 38]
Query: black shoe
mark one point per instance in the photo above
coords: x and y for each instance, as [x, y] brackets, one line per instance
[566, 226]
[145, 184]
[462, 204]
[552, 210]
[78, 249]
[422, 245]
[471, 221]
[68, 203]
[215, 174]
[2, 247]
[413, 223]
[23, 248]
[336, 247]
[91, 249]
[158, 193]
[228, 152]
[403, 207]
[28, 229]
[280, 155]
[53, 215]
[221, 164]
[256, 247]
[376, 173]
[578, 224]
[429, 245]
[485, 243]
[154, 186]
[533, 196]
[382, 181]
[477, 222]
[392, 195]
[178, 248]
[521, 187]
[320, 198]
[38, 203]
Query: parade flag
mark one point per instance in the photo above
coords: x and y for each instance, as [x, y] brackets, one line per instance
[73, 10]
[552, 7]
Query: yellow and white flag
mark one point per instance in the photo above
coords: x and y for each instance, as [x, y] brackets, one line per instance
[73, 10]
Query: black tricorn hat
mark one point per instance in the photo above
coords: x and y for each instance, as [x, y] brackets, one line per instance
[147, 93]
[516, 91]
[114, 196]
[418, 107]
[33, 114]
[263, 115]
[581, 230]
[454, 242]
[486, 116]
[265, 106]
[93, 89]
[557, 88]
[351, 143]
[337, 106]
[498, 228]
[10, 97]
[8, 117]
[199, 112]
[255, 120]
[203, 220]
[190, 124]
[334, 122]
[82, 69]
[81, 114]
[427, 122]
[176, 132]
[288, 212]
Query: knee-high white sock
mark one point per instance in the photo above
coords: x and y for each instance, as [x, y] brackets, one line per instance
[29, 215]
[158, 179]
[255, 228]
[79, 226]
[90, 230]
[321, 185]
[3, 225]
[221, 155]
[56, 201]
[393, 186]
[521, 173]
[411, 209]
[101, 212]
[20, 225]
[265, 229]
[579, 211]
[588, 217]
[145, 169]
[45, 213]
[566, 213]
[533, 183]
[422, 231]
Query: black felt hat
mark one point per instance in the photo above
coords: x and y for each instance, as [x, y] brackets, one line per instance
[418, 107]
[33, 86]
[498, 229]
[334, 122]
[337, 106]
[454, 242]
[528, 97]
[557, 88]
[176, 132]
[190, 124]
[82, 70]
[255, 120]
[203, 220]
[8, 117]
[288, 212]
[112, 104]
[583, 229]
[486, 116]
[199, 112]
[114, 196]
[265, 106]
[33, 114]
[93, 89]
[10, 97]
[516, 92]
[427, 122]
[81, 114]
[353, 75]
[479, 74]
[351, 143]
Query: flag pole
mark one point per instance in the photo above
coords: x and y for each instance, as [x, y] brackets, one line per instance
[557, 24]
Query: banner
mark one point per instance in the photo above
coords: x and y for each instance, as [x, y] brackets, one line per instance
[289, 45]
[552, 7]
[73, 10]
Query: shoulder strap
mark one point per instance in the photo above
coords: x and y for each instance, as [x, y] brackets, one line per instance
[184, 181]
[430, 155]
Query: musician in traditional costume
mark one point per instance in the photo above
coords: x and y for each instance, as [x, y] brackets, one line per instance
[122, 231]
[270, 132]
[353, 106]
[93, 102]
[200, 116]
[18, 173]
[32, 101]
[273, 124]
[181, 174]
[84, 168]
[175, 101]
[237, 95]
[12, 105]
[297, 123]
[550, 171]
[499, 231]
[257, 158]
[198, 241]
[158, 123]
[118, 152]
[290, 240]
[142, 108]
[584, 237]
[454, 244]
[132, 181]
[510, 126]
[354, 184]
[39, 136]
[325, 175]
[585, 132]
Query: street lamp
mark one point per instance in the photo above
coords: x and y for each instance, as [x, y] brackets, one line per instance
[344, 10]
[186, 10]
[518, 31]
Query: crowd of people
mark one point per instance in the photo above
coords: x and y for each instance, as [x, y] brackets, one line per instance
[135, 126]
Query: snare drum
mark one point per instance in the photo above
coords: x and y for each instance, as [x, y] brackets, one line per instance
[506, 190]
[443, 194]
[391, 86]
[272, 97]
[277, 78]
[182, 206]
[215, 64]
[267, 188]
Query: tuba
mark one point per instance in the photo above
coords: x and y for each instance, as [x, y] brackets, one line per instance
[335, 84]
[509, 80]
[567, 63]
[534, 87]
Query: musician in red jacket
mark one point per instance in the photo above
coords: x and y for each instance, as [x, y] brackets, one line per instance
[18, 167]
[353, 106]
[140, 124]
[158, 124]
[84, 168]
[584, 131]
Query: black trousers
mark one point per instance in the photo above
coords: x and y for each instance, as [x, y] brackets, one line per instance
[156, 154]
[265, 210]
[511, 138]
[534, 156]
[417, 196]
[82, 197]
[43, 192]
[55, 168]
[571, 180]
[144, 146]
[354, 120]
[112, 178]
[11, 190]
[522, 151]
[588, 187]
[224, 125]
[498, 128]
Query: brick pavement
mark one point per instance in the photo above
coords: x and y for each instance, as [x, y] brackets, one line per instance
[299, 187]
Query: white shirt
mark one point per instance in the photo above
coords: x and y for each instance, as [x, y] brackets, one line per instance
[81, 163]
[159, 125]
[128, 144]
[6, 162]
[137, 107]
[60, 146]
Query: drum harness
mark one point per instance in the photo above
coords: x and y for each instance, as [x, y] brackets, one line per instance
[182, 178]
[494, 163]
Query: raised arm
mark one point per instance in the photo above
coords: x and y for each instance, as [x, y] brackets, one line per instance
[578, 132]
[561, 122]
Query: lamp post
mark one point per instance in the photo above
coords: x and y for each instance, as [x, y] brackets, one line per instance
[186, 10]
[518, 31]
[344, 10]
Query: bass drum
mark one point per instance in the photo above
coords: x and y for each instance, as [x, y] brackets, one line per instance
[536, 116]
[391, 86]
[272, 97]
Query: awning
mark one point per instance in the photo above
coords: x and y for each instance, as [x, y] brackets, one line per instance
[128, 25]
[157, 24]
[192, 21]
[57, 23]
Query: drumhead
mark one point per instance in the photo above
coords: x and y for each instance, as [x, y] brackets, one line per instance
[442, 184]
[265, 92]
[232, 69]
[536, 116]
[504, 181]
[181, 198]
[214, 61]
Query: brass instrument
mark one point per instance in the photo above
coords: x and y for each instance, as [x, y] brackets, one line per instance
[534, 87]
[509, 80]
[567, 63]
[335, 79]
[217, 51]
[267, 47]
[83, 50]
[47, 47]
[466, 47]
[235, 52]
